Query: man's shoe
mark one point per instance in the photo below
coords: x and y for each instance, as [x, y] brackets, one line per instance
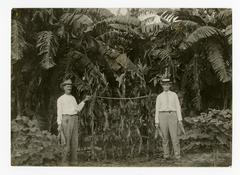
[73, 163]
[166, 158]
[177, 158]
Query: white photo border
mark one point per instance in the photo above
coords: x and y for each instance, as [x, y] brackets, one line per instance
[5, 118]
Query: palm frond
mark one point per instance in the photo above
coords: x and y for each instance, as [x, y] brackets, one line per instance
[190, 15]
[152, 24]
[45, 16]
[162, 54]
[126, 28]
[115, 38]
[18, 43]
[76, 23]
[95, 13]
[115, 59]
[110, 25]
[118, 23]
[71, 18]
[228, 34]
[168, 18]
[131, 21]
[98, 28]
[153, 29]
[47, 44]
[200, 33]
[125, 62]
[153, 18]
[216, 58]
[185, 25]
[225, 17]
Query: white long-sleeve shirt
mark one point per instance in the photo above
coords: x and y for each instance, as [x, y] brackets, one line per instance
[167, 101]
[67, 104]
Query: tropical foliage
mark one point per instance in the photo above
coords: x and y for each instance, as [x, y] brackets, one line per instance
[119, 56]
[212, 130]
[31, 146]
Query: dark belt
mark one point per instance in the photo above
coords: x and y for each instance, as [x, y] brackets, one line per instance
[167, 111]
[68, 115]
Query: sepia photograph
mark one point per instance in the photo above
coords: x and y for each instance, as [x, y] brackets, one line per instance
[121, 87]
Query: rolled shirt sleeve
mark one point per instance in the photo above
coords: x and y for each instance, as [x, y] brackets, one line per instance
[178, 108]
[59, 112]
[80, 106]
[156, 110]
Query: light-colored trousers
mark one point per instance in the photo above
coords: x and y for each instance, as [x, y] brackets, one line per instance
[70, 131]
[168, 124]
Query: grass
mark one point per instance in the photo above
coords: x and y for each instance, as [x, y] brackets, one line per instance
[188, 160]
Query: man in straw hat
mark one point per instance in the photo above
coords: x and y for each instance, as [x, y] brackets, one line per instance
[67, 119]
[167, 118]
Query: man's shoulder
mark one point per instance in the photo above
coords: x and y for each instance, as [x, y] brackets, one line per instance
[61, 97]
[162, 93]
[174, 93]
[159, 95]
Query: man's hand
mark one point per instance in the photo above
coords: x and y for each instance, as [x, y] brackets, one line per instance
[156, 125]
[181, 127]
[87, 98]
[180, 122]
[59, 128]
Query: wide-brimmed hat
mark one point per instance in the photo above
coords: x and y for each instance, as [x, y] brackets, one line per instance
[66, 82]
[166, 81]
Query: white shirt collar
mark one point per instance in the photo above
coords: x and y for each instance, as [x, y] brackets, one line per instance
[67, 95]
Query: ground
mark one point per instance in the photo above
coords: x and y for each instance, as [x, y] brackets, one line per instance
[189, 160]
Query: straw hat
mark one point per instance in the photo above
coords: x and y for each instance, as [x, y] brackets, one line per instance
[166, 81]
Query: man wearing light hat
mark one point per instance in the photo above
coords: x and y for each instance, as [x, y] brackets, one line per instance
[67, 119]
[167, 117]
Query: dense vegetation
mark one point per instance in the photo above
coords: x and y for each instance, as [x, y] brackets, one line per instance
[31, 146]
[122, 56]
[207, 133]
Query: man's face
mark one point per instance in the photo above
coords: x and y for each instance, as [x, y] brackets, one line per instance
[166, 86]
[67, 89]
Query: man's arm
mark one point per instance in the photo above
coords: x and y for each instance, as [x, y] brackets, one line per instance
[82, 104]
[156, 111]
[178, 108]
[59, 112]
